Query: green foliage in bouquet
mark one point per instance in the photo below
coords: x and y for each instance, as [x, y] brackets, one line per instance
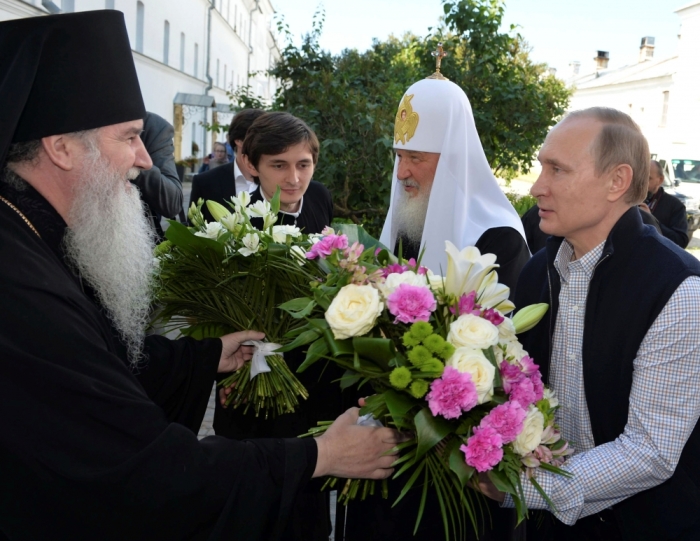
[225, 276]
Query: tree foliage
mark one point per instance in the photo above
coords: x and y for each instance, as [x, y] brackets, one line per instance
[350, 100]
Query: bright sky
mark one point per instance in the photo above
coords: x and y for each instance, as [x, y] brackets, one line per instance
[558, 31]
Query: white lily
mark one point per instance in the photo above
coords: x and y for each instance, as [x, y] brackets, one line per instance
[280, 232]
[251, 244]
[217, 210]
[268, 221]
[466, 269]
[212, 231]
[491, 294]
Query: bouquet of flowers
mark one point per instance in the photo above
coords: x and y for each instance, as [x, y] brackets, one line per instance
[445, 365]
[224, 276]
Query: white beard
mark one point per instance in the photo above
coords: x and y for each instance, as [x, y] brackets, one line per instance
[110, 242]
[409, 212]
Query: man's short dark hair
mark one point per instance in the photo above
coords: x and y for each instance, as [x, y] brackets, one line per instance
[656, 167]
[242, 120]
[274, 133]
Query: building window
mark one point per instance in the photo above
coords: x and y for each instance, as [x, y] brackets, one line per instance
[166, 42]
[139, 26]
[182, 51]
[217, 72]
[235, 16]
[664, 109]
[225, 74]
[196, 60]
[228, 10]
[109, 4]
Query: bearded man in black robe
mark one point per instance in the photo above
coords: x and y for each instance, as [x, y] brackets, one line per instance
[99, 422]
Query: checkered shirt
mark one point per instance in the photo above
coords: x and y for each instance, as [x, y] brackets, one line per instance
[664, 400]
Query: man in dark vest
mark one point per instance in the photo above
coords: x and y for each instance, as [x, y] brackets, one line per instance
[668, 210]
[619, 346]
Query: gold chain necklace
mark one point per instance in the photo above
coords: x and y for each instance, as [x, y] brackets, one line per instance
[26, 220]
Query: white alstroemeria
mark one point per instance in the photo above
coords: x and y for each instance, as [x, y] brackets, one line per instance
[280, 232]
[491, 294]
[436, 282]
[268, 221]
[259, 209]
[251, 244]
[466, 269]
[299, 255]
[212, 231]
[231, 221]
[241, 201]
[315, 237]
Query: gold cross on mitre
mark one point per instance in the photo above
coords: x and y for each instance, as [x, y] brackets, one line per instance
[439, 54]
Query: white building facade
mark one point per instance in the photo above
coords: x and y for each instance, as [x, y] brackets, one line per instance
[661, 94]
[188, 55]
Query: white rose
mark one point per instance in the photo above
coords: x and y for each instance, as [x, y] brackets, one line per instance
[394, 280]
[280, 232]
[213, 230]
[515, 350]
[472, 361]
[354, 311]
[506, 331]
[531, 436]
[472, 331]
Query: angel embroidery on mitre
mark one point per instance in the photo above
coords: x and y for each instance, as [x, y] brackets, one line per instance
[406, 121]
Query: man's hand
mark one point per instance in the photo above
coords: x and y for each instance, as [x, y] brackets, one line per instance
[488, 489]
[357, 452]
[233, 354]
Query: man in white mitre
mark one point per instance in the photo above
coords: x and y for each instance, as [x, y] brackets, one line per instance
[443, 187]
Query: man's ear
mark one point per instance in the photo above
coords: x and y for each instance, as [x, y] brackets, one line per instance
[621, 180]
[253, 170]
[61, 150]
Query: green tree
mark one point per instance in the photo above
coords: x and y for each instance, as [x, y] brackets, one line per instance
[350, 100]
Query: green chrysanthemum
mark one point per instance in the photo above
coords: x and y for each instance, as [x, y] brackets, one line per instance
[447, 351]
[400, 377]
[435, 343]
[420, 330]
[433, 365]
[409, 341]
[419, 355]
[419, 388]
[163, 248]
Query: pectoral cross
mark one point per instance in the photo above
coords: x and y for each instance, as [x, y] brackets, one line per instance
[439, 54]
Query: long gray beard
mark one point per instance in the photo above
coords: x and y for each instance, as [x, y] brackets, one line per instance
[410, 213]
[110, 242]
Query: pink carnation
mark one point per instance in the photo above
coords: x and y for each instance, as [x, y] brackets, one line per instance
[467, 305]
[493, 316]
[506, 419]
[484, 449]
[510, 374]
[528, 366]
[452, 394]
[324, 247]
[537, 386]
[411, 303]
[523, 392]
[394, 268]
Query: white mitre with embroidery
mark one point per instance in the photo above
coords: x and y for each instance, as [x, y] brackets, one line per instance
[434, 115]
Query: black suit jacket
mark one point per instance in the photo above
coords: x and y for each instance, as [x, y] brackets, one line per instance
[217, 184]
[673, 219]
